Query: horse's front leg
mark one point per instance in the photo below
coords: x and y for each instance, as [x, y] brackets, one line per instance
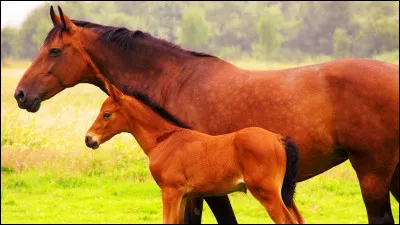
[181, 213]
[172, 198]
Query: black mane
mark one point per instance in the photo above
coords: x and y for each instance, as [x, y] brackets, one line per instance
[158, 109]
[122, 36]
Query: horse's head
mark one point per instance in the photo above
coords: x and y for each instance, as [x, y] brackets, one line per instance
[111, 120]
[59, 64]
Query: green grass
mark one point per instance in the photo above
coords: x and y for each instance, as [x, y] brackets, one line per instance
[48, 175]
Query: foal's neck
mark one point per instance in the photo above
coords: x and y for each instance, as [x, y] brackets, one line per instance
[148, 128]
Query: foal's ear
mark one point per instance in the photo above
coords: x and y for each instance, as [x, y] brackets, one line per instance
[68, 25]
[56, 19]
[114, 92]
[118, 95]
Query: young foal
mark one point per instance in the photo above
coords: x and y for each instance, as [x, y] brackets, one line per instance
[186, 163]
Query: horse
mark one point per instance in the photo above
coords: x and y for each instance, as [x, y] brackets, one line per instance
[345, 109]
[186, 163]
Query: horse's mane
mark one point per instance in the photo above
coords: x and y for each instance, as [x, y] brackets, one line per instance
[158, 109]
[125, 38]
[122, 36]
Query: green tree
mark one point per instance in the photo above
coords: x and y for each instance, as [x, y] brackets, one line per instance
[375, 32]
[269, 28]
[10, 45]
[194, 30]
[341, 43]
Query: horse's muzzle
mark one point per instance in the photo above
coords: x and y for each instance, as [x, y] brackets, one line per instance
[30, 104]
[91, 143]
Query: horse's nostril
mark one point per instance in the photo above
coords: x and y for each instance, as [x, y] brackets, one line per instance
[87, 140]
[20, 96]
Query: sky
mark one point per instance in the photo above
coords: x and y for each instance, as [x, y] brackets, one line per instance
[13, 13]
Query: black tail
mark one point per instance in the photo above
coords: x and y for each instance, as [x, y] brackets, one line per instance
[289, 182]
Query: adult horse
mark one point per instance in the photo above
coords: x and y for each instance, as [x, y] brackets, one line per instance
[334, 111]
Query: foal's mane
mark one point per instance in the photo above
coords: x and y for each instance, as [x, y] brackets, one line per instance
[122, 36]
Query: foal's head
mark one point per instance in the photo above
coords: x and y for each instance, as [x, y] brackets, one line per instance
[111, 120]
[60, 63]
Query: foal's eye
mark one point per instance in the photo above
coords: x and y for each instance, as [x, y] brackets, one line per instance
[107, 115]
[54, 52]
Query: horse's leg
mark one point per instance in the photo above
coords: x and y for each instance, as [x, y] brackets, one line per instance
[374, 177]
[394, 185]
[181, 213]
[222, 209]
[273, 203]
[268, 193]
[171, 198]
[295, 212]
[193, 210]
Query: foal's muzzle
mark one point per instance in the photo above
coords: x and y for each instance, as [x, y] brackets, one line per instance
[91, 143]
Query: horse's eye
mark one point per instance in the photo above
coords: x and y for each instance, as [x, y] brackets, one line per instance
[54, 52]
[106, 115]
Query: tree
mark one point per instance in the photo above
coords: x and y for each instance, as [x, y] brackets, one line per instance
[375, 32]
[10, 47]
[194, 30]
[269, 27]
[341, 43]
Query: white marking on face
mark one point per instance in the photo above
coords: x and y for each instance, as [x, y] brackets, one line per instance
[94, 137]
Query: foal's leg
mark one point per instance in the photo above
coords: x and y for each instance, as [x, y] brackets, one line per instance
[295, 212]
[273, 203]
[172, 199]
[181, 213]
[375, 178]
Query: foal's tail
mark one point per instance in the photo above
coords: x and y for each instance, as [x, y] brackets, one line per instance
[289, 181]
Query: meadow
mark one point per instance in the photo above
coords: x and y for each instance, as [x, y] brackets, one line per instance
[48, 175]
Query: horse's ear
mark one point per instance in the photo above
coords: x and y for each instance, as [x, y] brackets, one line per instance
[56, 19]
[114, 92]
[68, 25]
[118, 95]
[109, 88]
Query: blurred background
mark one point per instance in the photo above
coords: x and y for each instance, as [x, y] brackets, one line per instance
[48, 175]
[286, 31]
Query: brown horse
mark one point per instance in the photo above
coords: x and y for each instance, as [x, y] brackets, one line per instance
[334, 111]
[186, 163]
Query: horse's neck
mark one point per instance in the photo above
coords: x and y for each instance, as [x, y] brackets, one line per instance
[149, 69]
[145, 125]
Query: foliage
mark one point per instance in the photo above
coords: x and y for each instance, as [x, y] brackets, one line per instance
[9, 43]
[194, 30]
[273, 30]
[341, 43]
[269, 27]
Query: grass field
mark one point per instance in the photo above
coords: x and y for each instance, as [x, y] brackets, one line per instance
[48, 175]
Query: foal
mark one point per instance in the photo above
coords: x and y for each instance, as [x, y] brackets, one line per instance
[186, 163]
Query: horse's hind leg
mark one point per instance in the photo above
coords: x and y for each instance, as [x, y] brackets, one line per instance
[172, 203]
[273, 203]
[394, 185]
[375, 177]
[295, 212]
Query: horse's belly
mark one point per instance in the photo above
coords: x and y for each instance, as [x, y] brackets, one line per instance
[217, 188]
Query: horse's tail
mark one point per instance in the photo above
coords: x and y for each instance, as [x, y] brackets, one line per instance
[289, 181]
